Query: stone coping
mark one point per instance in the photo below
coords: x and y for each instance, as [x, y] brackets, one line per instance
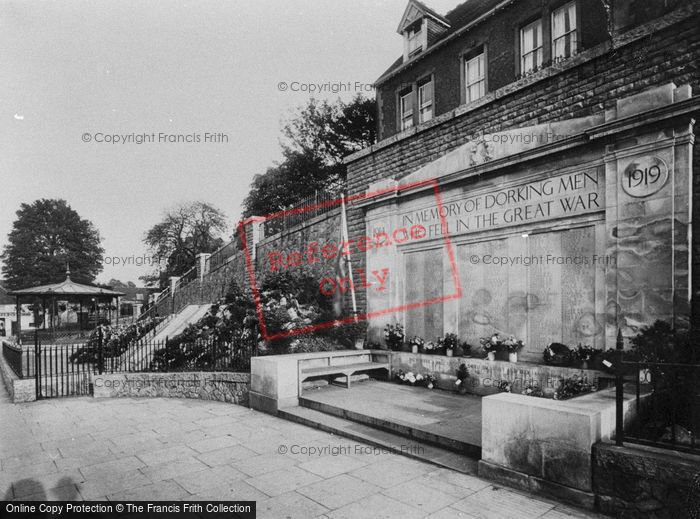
[20, 389]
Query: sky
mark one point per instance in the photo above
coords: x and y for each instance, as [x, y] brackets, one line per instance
[76, 72]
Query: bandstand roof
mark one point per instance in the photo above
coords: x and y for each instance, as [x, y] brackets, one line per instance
[65, 288]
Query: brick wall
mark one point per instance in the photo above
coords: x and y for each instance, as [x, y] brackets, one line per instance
[662, 52]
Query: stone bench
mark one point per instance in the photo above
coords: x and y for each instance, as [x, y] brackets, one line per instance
[276, 380]
[347, 369]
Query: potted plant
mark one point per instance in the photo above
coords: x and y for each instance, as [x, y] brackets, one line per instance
[416, 344]
[557, 354]
[430, 381]
[430, 348]
[394, 336]
[449, 342]
[461, 382]
[513, 346]
[584, 354]
[490, 345]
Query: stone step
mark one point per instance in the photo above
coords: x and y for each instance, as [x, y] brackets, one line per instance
[381, 439]
[407, 431]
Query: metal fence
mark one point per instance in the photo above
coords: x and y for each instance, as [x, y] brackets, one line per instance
[666, 405]
[219, 257]
[67, 369]
[321, 202]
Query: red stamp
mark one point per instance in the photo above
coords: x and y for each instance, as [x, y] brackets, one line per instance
[340, 251]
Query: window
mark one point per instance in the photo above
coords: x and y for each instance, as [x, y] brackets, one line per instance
[425, 101]
[406, 107]
[564, 31]
[531, 47]
[414, 41]
[475, 77]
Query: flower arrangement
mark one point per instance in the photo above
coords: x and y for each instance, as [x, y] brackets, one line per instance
[490, 344]
[449, 342]
[394, 336]
[513, 345]
[416, 343]
[430, 347]
[573, 386]
[533, 390]
[416, 379]
[557, 354]
[504, 386]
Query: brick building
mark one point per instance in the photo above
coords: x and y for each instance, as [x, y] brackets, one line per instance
[500, 102]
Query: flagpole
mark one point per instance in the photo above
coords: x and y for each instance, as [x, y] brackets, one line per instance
[344, 231]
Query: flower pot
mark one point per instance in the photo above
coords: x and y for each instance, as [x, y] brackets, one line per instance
[430, 385]
[449, 352]
[584, 364]
[414, 348]
[513, 356]
[491, 355]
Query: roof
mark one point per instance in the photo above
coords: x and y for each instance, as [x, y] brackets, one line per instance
[416, 8]
[458, 18]
[65, 288]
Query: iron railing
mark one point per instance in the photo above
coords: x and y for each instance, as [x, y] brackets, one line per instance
[666, 405]
[219, 257]
[321, 202]
[187, 278]
[115, 356]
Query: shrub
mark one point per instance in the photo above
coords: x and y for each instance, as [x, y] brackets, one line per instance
[661, 343]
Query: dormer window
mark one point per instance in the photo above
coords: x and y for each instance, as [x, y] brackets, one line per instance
[415, 43]
[420, 27]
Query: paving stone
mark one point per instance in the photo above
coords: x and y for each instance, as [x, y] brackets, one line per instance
[263, 464]
[211, 444]
[233, 491]
[381, 506]
[386, 474]
[338, 491]
[492, 502]
[98, 488]
[290, 506]
[455, 483]
[161, 491]
[329, 466]
[226, 455]
[112, 467]
[173, 468]
[165, 454]
[201, 481]
[421, 496]
[281, 481]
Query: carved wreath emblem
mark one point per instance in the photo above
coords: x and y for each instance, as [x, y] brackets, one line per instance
[480, 153]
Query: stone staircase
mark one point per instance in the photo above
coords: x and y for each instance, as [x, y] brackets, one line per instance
[139, 356]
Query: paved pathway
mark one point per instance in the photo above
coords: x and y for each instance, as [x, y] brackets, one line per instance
[161, 449]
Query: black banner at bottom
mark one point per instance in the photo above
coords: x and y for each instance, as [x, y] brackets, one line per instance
[128, 509]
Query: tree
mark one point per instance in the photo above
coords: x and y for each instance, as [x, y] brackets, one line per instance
[46, 236]
[185, 231]
[315, 142]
